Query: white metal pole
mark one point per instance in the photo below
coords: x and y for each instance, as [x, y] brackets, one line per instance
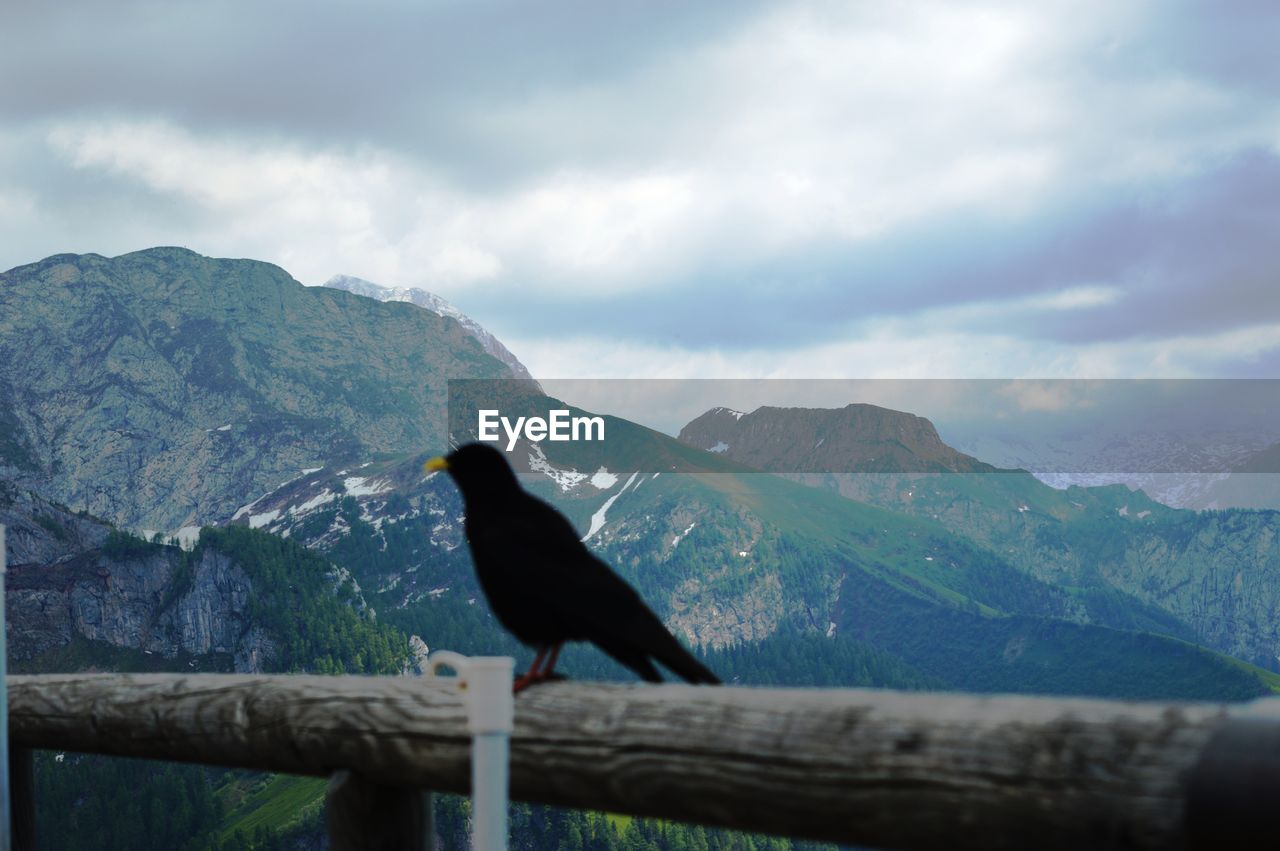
[486, 683]
[491, 707]
[6, 815]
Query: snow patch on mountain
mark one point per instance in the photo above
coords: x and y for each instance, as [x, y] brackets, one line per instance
[323, 498]
[567, 480]
[187, 537]
[603, 479]
[358, 486]
[598, 519]
[257, 521]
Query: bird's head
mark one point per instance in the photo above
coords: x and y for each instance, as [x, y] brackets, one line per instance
[479, 470]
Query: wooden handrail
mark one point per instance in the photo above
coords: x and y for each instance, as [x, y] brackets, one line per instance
[877, 768]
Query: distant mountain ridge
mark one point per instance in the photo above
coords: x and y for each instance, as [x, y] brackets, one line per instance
[730, 557]
[437, 305]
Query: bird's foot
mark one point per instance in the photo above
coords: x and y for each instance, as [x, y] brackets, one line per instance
[526, 680]
[531, 678]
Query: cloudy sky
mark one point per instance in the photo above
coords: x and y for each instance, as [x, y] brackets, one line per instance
[846, 189]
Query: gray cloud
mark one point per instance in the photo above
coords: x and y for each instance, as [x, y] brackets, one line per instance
[736, 176]
[1230, 41]
[425, 79]
[1187, 257]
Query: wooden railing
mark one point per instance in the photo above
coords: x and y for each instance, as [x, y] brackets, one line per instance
[871, 768]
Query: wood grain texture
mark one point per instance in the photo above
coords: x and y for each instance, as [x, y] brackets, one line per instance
[875, 768]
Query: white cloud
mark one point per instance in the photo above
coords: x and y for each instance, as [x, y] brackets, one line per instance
[391, 219]
[1073, 298]
[273, 201]
[1004, 312]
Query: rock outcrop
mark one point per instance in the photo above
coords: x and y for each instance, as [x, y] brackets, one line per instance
[855, 439]
[156, 604]
[72, 577]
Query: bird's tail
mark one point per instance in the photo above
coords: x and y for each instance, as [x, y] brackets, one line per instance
[672, 654]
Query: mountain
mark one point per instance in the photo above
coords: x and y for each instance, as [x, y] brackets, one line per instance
[437, 305]
[157, 389]
[854, 439]
[1216, 572]
[165, 390]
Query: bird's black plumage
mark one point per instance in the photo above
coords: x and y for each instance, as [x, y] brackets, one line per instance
[544, 585]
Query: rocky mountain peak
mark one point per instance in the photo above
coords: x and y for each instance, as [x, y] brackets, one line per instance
[437, 305]
[858, 438]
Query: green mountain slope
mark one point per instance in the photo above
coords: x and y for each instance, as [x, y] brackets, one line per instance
[157, 388]
[1216, 573]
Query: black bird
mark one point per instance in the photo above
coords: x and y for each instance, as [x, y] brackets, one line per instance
[544, 585]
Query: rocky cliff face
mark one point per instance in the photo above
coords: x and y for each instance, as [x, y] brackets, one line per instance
[67, 582]
[139, 603]
[39, 532]
[159, 389]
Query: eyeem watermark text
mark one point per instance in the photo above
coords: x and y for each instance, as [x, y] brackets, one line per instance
[558, 425]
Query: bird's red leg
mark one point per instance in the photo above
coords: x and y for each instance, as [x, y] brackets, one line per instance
[532, 675]
[551, 663]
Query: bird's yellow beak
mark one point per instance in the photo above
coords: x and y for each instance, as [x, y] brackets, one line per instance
[435, 464]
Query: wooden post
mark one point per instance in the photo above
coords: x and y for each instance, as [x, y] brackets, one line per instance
[1234, 788]
[22, 788]
[368, 816]
[873, 768]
